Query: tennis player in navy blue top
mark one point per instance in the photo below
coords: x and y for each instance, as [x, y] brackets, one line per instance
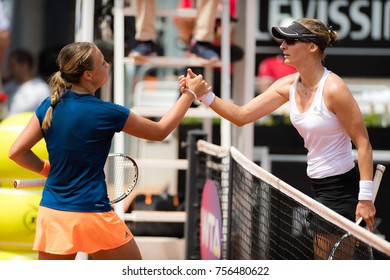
[74, 213]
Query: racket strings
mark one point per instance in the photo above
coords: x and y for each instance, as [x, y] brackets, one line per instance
[121, 176]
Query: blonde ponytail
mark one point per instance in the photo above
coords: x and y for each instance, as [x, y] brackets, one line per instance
[58, 87]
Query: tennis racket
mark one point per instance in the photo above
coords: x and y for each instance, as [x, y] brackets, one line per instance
[380, 169]
[121, 177]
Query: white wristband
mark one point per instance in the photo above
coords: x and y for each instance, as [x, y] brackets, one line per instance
[208, 98]
[365, 190]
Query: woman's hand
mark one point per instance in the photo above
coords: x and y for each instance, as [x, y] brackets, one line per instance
[366, 210]
[195, 83]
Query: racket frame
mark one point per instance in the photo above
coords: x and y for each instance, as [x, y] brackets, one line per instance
[134, 180]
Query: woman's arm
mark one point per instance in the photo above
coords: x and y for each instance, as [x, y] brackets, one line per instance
[141, 127]
[21, 152]
[145, 128]
[340, 100]
[267, 102]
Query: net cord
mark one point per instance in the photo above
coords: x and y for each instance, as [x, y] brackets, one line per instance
[342, 222]
[212, 149]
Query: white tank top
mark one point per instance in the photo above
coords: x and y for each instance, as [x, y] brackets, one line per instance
[329, 146]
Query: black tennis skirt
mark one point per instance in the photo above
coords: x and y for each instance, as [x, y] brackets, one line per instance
[339, 193]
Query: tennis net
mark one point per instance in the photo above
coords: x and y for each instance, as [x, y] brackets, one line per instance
[266, 218]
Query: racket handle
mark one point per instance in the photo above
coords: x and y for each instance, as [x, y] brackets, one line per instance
[359, 221]
[380, 169]
[20, 184]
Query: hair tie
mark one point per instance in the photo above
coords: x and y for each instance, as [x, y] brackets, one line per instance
[53, 105]
[330, 30]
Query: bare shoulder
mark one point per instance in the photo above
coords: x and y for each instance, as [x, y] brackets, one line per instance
[335, 84]
[336, 92]
[282, 86]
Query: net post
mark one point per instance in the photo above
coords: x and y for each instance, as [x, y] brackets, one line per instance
[191, 195]
[229, 211]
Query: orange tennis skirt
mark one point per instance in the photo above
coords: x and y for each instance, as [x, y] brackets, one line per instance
[64, 232]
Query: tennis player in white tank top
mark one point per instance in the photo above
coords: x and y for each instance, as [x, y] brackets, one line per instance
[325, 114]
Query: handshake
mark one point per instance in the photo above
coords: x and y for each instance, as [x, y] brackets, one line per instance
[197, 86]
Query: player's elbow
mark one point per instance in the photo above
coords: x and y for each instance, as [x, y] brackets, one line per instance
[160, 138]
[240, 120]
[13, 154]
[160, 135]
[363, 144]
[240, 123]
[241, 116]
